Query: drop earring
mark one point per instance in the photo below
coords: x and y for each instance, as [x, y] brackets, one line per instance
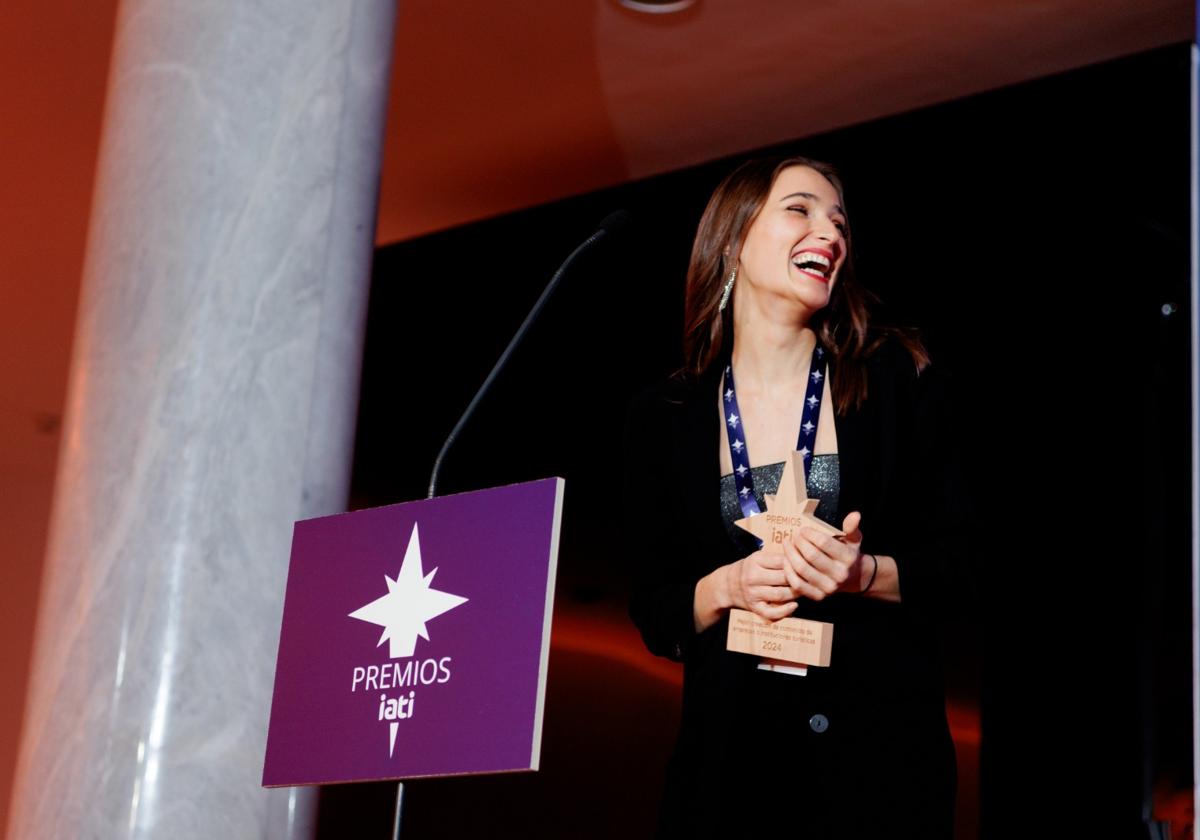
[728, 289]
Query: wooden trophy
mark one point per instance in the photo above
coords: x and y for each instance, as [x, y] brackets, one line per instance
[799, 641]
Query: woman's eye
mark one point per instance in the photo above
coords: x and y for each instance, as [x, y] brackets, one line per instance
[799, 209]
[841, 226]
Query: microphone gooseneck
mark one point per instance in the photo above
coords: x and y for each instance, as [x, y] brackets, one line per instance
[611, 224]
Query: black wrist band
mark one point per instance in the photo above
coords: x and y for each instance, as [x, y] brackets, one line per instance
[874, 571]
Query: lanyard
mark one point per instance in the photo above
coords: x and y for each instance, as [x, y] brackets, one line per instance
[739, 455]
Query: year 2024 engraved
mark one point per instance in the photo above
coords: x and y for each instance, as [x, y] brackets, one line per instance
[799, 640]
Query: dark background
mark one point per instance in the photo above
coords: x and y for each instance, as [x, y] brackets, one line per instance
[1035, 234]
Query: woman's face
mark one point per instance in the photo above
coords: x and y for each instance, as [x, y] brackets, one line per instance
[796, 244]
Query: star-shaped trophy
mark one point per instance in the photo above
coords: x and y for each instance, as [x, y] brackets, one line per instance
[789, 509]
[790, 640]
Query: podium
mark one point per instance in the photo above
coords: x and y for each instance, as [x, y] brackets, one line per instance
[415, 639]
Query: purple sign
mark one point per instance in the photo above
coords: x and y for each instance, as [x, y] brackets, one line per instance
[415, 639]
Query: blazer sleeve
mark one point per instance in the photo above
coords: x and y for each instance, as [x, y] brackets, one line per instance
[664, 582]
[933, 556]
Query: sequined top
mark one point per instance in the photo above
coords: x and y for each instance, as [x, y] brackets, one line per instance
[823, 483]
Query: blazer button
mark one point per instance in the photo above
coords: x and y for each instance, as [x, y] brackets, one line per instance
[818, 723]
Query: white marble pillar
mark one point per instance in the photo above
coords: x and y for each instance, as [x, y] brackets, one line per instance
[212, 402]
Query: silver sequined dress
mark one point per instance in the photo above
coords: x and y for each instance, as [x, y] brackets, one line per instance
[823, 484]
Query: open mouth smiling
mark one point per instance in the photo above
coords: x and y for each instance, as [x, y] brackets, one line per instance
[814, 263]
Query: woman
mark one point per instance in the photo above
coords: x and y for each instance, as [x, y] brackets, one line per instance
[781, 355]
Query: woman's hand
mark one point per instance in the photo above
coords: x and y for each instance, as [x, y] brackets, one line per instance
[819, 564]
[758, 583]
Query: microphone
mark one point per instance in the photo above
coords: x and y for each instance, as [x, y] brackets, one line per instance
[612, 223]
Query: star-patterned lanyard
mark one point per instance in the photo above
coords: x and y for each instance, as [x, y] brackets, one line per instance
[739, 455]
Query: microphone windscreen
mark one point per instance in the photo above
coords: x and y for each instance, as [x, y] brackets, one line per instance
[614, 221]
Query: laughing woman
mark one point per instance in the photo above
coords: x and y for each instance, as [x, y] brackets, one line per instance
[860, 748]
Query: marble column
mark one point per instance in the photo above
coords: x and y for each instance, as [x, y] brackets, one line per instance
[212, 401]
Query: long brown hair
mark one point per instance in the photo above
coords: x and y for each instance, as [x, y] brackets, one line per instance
[843, 327]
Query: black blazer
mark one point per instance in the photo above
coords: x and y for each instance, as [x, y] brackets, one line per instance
[882, 694]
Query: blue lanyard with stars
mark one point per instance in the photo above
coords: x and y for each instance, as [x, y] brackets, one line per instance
[739, 455]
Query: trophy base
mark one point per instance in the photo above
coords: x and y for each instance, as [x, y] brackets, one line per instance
[798, 641]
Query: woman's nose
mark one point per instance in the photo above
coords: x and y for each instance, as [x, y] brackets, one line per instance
[828, 232]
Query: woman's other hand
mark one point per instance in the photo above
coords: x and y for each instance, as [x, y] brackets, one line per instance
[819, 564]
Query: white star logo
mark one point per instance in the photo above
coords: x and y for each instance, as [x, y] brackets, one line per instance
[816, 375]
[737, 446]
[728, 394]
[803, 451]
[741, 470]
[409, 603]
[733, 420]
[808, 427]
[745, 492]
[812, 401]
[820, 352]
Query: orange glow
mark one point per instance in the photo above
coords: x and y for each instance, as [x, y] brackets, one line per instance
[610, 635]
[469, 91]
